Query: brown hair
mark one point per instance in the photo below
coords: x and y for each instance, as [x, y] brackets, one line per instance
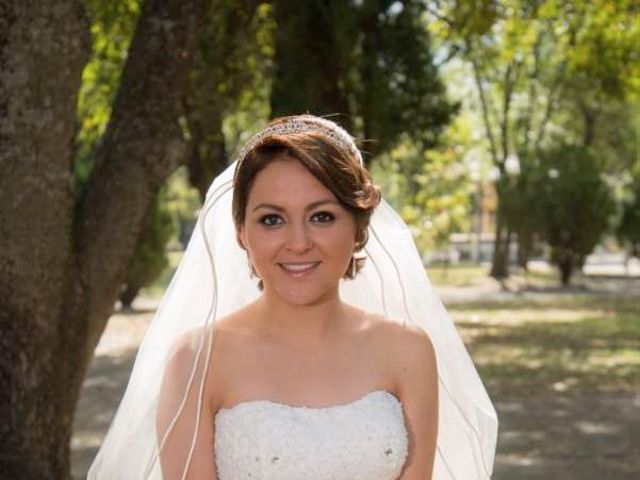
[338, 170]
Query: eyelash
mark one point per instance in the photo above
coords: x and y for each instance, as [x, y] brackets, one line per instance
[331, 218]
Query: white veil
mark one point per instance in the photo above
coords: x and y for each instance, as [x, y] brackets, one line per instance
[213, 279]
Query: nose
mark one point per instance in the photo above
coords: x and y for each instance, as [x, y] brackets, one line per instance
[299, 240]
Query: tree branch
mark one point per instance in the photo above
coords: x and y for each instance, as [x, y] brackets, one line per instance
[506, 108]
[485, 113]
[532, 95]
[141, 147]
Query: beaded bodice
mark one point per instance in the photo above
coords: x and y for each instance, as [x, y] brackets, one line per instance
[264, 440]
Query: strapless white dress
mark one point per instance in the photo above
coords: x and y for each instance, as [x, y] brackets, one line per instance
[264, 440]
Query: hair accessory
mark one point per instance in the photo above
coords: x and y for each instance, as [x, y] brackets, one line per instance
[302, 124]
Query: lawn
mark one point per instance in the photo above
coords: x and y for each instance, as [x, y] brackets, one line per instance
[563, 371]
[557, 343]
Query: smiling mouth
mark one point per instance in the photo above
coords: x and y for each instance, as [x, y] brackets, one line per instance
[298, 270]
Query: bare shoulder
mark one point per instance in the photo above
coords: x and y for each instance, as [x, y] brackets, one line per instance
[185, 348]
[181, 363]
[192, 341]
[216, 343]
[409, 348]
[187, 356]
[402, 336]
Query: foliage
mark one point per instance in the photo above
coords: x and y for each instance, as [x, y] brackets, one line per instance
[431, 189]
[395, 83]
[629, 227]
[230, 78]
[182, 202]
[171, 213]
[251, 109]
[112, 26]
[370, 61]
[570, 204]
[545, 73]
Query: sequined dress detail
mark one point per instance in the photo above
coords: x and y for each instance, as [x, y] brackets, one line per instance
[263, 440]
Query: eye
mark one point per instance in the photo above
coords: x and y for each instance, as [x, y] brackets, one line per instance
[269, 220]
[324, 217]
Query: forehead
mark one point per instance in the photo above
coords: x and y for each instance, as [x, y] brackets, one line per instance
[287, 182]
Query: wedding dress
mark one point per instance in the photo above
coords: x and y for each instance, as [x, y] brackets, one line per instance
[264, 440]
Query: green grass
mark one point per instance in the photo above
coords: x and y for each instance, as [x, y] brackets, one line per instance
[469, 275]
[457, 275]
[554, 343]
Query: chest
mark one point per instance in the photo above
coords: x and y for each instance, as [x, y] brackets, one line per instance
[256, 370]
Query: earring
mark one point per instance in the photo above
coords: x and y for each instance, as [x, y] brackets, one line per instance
[354, 270]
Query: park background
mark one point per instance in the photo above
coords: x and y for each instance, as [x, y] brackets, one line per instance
[506, 134]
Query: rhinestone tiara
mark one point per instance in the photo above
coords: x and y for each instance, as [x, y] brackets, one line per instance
[305, 123]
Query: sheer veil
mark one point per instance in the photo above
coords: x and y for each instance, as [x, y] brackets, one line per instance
[213, 279]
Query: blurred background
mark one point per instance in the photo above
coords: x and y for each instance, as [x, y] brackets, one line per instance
[505, 132]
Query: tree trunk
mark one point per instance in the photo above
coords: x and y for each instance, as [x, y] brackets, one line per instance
[44, 47]
[62, 265]
[525, 243]
[499, 262]
[566, 261]
[128, 295]
[566, 270]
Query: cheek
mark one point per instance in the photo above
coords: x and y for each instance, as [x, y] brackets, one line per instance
[259, 243]
[341, 242]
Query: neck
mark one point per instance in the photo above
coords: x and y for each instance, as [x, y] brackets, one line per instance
[302, 326]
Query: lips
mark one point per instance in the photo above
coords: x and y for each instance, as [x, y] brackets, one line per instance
[298, 270]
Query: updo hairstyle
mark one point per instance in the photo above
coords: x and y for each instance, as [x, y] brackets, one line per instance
[337, 168]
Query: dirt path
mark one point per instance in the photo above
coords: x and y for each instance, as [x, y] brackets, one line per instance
[595, 436]
[558, 437]
[106, 382]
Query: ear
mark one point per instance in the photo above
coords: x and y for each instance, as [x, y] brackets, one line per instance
[241, 237]
[359, 237]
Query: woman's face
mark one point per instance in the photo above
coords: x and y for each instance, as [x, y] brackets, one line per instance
[299, 237]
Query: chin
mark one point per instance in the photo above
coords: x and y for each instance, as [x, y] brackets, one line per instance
[303, 295]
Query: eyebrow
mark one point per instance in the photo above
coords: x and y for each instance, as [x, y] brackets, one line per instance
[311, 206]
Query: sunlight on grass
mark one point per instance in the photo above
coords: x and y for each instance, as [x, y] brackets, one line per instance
[468, 275]
[569, 344]
[458, 275]
[506, 317]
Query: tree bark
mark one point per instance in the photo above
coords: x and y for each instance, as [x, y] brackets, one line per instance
[566, 268]
[62, 265]
[525, 245]
[44, 47]
[128, 295]
[499, 267]
[500, 259]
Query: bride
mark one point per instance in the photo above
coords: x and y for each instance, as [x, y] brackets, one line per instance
[279, 351]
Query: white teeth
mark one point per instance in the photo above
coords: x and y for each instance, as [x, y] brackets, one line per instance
[298, 268]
